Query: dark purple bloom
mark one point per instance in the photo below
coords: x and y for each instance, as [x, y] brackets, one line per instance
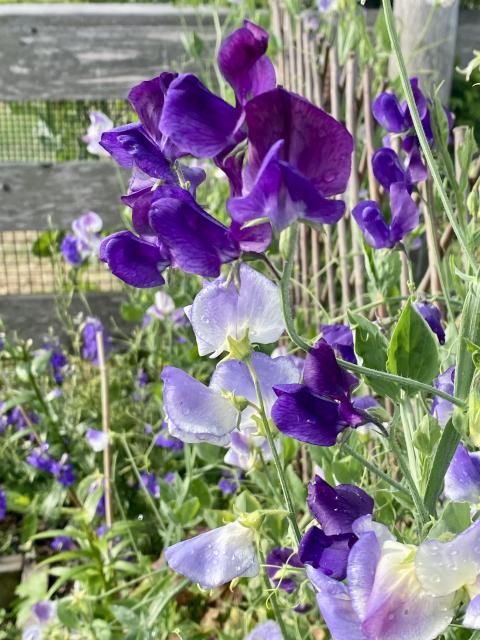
[388, 168]
[66, 475]
[243, 62]
[150, 482]
[431, 314]
[317, 411]
[70, 250]
[276, 559]
[3, 504]
[395, 117]
[335, 509]
[299, 156]
[62, 543]
[378, 233]
[340, 338]
[142, 378]
[62, 470]
[89, 340]
[166, 441]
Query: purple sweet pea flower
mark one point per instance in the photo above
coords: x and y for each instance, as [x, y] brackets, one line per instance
[99, 123]
[340, 338]
[169, 477]
[228, 484]
[62, 543]
[388, 169]
[89, 340]
[3, 504]
[216, 557]
[97, 440]
[325, 6]
[378, 233]
[62, 470]
[393, 116]
[164, 440]
[317, 411]
[85, 240]
[58, 362]
[335, 509]
[432, 317]
[276, 560]
[383, 597]
[70, 250]
[163, 307]
[462, 480]
[266, 631]
[298, 157]
[442, 409]
[150, 482]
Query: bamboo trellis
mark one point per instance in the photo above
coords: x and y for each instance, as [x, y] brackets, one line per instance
[330, 272]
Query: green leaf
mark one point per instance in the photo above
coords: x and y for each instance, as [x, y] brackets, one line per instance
[125, 615]
[66, 614]
[371, 348]
[29, 526]
[46, 244]
[199, 489]
[245, 502]
[455, 518]
[297, 487]
[427, 435]
[413, 351]
[187, 511]
[91, 502]
[132, 312]
[40, 362]
[446, 448]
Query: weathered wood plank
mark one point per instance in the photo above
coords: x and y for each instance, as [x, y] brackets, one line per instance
[32, 315]
[92, 51]
[33, 194]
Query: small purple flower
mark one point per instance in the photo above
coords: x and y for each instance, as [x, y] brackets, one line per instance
[443, 409]
[3, 504]
[228, 484]
[266, 631]
[325, 6]
[70, 250]
[62, 470]
[388, 169]
[97, 440]
[85, 240]
[150, 482]
[377, 232]
[340, 338]
[318, 410]
[169, 477]
[62, 543]
[164, 440]
[432, 317]
[216, 557]
[163, 307]
[393, 116]
[89, 340]
[99, 123]
[276, 560]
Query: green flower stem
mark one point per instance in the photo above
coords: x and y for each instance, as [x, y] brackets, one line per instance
[278, 465]
[274, 598]
[408, 423]
[375, 470]
[390, 24]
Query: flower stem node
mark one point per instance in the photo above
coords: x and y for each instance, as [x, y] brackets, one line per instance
[251, 520]
[239, 349]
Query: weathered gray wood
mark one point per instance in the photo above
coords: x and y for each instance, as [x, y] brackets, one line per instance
[428, 37]
[31, 194]
[32, 315]
[92, 51]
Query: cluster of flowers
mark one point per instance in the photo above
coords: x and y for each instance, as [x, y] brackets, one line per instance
[285, 159]
[84, 241]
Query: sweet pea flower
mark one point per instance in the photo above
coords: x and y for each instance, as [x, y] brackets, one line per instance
[85, 241]
[97, 440]
[99, 123]
[325, 6]
[62, 470]
[216, 557]
[266, 631]
[200, 122]
[433, 318]
[150, 482]
[3, 504]
[442, 409]
[228, 484]
[298, 157]
[89, 340]
[384, 596]
[62, 543]
[462, 480]
[163, 307]
[395, 117]
[221, 313]
[197, 413]
[335, 509]
[340, 338]
[164, 440]
[275, 561]
[318, 410]
[42, 614]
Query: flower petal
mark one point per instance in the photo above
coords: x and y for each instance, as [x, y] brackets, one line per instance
[388, 113]
[299, 414]
[387, 167]
[471, 619]
[266, 631]
[405, 213]
[196, 413]
[462, 480]
[369, 217]
[196, 120]
[216, 557]
[433, 318]
[133, 260]
[323, 375]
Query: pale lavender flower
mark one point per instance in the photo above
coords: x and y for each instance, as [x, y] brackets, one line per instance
[99, 123]
[97, 440]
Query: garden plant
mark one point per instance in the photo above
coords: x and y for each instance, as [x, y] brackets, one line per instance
[229, 468]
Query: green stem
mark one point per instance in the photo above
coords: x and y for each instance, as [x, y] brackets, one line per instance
[276, 459]
[274, 598]
[408, 431]
[427, 152]
[375, 470]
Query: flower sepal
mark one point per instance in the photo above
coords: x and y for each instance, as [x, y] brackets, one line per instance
[239, 349]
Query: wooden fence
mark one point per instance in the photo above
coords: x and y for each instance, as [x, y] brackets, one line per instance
[98, 51]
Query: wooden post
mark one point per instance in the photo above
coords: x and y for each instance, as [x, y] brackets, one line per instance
[428, 37]
[107, 461]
